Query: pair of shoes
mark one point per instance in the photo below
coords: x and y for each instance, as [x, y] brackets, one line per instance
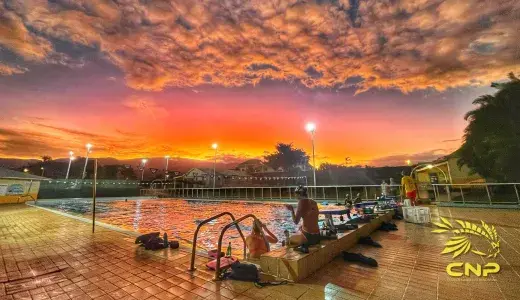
[302, 249]
[388, 227]
[358, 257]
[366, 240]
[346, 226]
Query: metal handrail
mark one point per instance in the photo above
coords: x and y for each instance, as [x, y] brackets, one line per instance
[219, 247]
[192, 264]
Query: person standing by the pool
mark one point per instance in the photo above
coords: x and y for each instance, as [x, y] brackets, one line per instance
[308, 211]
[384, 189]
[409, 188]
[257, 243]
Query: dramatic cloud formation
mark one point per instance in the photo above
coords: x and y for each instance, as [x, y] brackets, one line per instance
[406, 44]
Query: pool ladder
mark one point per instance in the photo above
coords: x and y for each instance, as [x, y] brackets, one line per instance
[235, 223]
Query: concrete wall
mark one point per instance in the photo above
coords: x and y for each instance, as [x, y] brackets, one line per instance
[12, 189]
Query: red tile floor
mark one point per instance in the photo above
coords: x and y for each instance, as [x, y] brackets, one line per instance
[48, 256]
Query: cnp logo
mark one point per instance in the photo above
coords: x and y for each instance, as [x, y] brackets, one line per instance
[460, 244]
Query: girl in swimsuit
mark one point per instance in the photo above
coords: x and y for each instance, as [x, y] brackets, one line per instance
[257, 243]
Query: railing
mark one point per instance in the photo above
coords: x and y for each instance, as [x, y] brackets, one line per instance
[280, 193]
[445, 194]
[192, 264]
[219, 247]
[477, 194]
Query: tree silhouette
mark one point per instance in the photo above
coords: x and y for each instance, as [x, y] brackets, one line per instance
[287, 157]
[46, 158]
[491, 145]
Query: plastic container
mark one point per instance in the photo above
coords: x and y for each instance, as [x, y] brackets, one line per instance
[417, 214]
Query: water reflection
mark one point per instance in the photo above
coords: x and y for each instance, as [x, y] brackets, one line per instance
[179, 218]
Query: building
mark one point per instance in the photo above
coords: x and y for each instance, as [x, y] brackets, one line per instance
[254, 166]
[203, 177]
[446, 170]
[17, 187]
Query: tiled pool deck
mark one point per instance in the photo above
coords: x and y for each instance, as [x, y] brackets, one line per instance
[47, 256]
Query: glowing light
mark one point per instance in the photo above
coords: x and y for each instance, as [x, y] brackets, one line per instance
[26, 170]
[71, 153]
[214, 146]
[310, 127]
[167, 156]
[144, 160]
[89, 146]
[41, 168]
[408, 162]
[429, 166]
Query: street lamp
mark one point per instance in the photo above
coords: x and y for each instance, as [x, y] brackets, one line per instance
[71, 158]
[311, 128]
[408, 162]
[25, 170]
[89, 147]
[214, 146]
[43, 170]
[167, 157]
[144, 160]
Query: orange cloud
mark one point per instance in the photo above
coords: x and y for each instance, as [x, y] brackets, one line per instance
[408, 44]
[10, 70]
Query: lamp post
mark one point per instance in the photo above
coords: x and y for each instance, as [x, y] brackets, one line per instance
[143, 161]
[311, 128]
[89, 147]
[214, 146]
[43, 170]
[71, 158]
[167, 157]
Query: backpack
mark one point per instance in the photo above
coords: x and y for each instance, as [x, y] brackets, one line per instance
[244, 272]
[248, 272]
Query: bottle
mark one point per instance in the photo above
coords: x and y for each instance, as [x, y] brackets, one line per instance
[287, 238]
[228, 251]
[165, 240]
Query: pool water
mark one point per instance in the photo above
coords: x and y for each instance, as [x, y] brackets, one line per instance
[179, 218]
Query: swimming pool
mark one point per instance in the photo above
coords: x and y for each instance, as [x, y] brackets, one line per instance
[179, 218]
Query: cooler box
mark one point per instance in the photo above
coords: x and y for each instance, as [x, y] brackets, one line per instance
[417, 214]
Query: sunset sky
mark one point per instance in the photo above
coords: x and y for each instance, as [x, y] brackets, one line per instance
[383, 80]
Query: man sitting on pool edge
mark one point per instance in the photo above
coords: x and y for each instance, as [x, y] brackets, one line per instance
[309, 231]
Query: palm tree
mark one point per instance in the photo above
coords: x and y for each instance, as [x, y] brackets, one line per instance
[491, 145]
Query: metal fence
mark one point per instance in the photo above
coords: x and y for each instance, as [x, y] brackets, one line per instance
[477, 194]
[444, 194]
[278, 193]
[52, 189]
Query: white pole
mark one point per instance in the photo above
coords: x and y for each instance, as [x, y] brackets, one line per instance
[313, 160]
[89, 146]
[85, 167]
[166, 171]
[142, 171]
[70, 162]
[68, 169]
[214, 168]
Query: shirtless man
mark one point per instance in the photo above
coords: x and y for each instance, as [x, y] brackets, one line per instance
[308, 211]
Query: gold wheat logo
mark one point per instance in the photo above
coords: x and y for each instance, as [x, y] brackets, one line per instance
[460, 243]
